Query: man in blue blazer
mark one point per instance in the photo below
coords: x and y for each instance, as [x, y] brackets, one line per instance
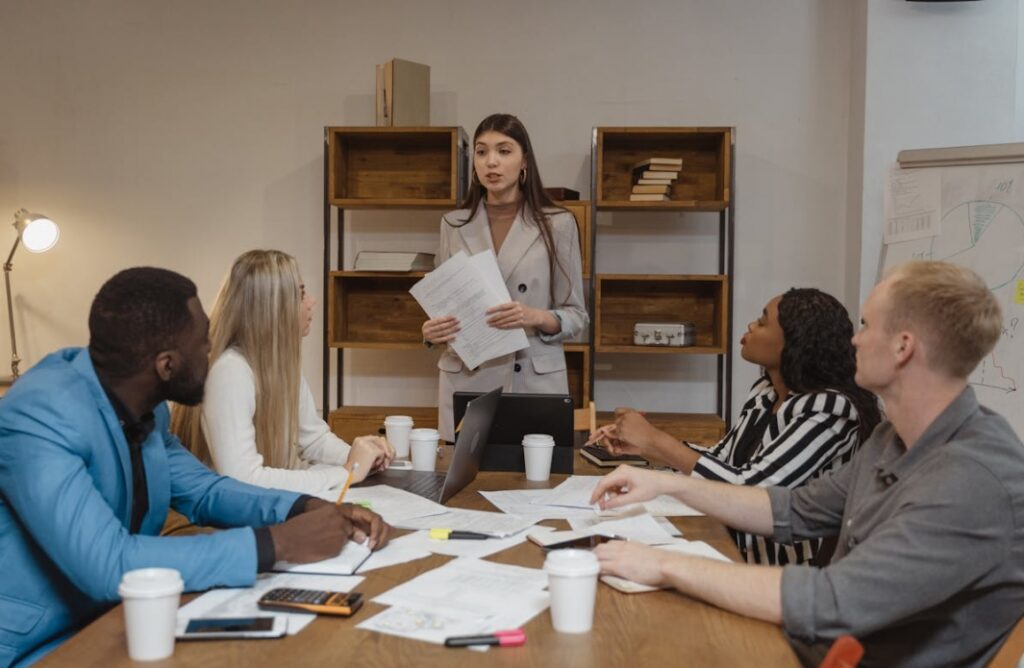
[88, 470]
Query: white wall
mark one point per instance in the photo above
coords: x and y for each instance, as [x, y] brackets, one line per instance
[180, 134]
[936, 75]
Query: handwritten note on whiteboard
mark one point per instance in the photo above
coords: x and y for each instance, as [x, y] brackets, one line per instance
[913, 200]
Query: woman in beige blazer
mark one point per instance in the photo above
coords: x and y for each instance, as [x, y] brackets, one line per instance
[538, 250]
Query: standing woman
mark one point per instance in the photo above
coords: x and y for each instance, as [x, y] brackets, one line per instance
[258, 421]
[538, 249]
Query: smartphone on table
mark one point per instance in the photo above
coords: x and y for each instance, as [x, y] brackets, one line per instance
[581, 543]
[312, 600]
[213, 628]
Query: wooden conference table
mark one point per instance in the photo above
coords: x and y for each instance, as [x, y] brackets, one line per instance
[658, 628]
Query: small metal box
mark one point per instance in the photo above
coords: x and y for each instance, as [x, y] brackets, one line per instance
[664, 334]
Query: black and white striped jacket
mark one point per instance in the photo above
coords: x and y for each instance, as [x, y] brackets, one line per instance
[811, 434]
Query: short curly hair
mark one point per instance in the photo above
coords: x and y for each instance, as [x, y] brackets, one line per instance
[818, 352]
[135, 315]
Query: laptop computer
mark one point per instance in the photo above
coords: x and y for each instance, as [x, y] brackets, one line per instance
[470, 445]
[518, 415]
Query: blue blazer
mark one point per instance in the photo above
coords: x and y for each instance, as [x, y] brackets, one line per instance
[65, 505]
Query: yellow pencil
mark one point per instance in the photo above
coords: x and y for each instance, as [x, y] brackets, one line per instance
[458, 428]
[341, 497]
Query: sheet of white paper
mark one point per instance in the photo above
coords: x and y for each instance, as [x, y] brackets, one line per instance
[471, 548]
[346, 563]
[531, 503]
[641, 528]
[576, 490]
[472, 585]
[463, 597]
[393, 504]
[913, 201]
[689, 547]
[458, 288]
[667, 525]
[242, 602]
[398, 551]
[492, 524]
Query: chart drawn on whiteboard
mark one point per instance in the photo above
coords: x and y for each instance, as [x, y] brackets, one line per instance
[982, 227]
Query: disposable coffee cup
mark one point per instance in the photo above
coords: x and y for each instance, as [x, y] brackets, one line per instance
[424, 449]
[537, 449]
[150, 597]
[572, 582]
[397, 428]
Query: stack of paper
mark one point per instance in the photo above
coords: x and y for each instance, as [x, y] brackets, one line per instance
[466, 287]
[463, 597]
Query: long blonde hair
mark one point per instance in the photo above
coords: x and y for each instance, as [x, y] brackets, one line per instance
[257, 313]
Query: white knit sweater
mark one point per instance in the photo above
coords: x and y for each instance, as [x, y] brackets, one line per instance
[229, 406]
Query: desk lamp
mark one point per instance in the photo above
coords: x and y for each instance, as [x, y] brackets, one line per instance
[39, 234]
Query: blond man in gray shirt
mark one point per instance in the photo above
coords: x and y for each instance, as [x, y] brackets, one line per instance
[929, 568]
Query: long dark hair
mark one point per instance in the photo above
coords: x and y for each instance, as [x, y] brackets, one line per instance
[537, 201]
[818, 353]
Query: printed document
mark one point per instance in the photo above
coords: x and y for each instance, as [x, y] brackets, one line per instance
[463, 597]
[499, 525]
[576, 490]
[466, 287]
[393, 504]
[913, 201]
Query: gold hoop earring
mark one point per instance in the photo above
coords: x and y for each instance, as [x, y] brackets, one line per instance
[522, 177]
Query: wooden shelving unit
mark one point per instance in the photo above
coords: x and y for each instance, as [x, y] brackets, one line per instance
[704, 184]
[373, 310]
[380, 168]
[398, 168]
[625, 299]
[370, 167]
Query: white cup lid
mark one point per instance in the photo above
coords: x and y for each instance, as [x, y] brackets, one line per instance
[424, 435]
[571, 563]
[398, 420]
[538, 441]
[150, 583]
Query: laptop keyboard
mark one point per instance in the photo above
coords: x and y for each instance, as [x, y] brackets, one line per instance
[427, 486]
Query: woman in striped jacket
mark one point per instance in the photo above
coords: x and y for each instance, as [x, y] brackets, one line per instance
[804, 416]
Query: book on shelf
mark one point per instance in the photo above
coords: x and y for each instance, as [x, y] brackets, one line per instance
[674, 164]
[651, 174]
[647, 197]
[651, 190]
[394, 261]
[653, 182]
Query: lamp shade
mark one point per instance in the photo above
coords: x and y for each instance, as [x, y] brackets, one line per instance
[38, 233]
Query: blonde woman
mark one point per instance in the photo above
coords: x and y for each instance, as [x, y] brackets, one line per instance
[258, 421]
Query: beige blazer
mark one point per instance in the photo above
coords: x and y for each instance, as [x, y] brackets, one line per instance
[523, 261]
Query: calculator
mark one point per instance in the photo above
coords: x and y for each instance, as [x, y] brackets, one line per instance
[312, 600]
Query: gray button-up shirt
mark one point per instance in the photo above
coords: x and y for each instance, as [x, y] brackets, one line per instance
[929, 569]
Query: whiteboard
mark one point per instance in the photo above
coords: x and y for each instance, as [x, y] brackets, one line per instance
[982, 227]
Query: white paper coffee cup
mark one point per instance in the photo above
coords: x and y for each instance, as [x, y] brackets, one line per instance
[423, 443]
[572, 582]
[396, 429]
[537, 449]
[150, 597]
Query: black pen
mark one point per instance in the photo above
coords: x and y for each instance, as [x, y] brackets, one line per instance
[448, 534]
